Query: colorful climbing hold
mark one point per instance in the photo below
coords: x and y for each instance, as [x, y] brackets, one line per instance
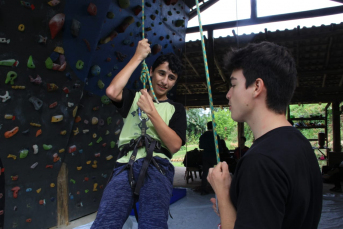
[124, 3]
[21, 27]
[39, 132]
[12, 132]
[92, 9]
[75, 27]
[57, 118]
[23, 153]
[11, 76]
[101, 84]
[30, 63]
[47, 147]
[56, 23]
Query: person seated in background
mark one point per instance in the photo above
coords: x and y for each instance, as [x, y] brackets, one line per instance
[335, 175]
[241, 149]
[224, 153]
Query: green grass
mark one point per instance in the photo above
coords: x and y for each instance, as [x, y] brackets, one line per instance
[181, 154]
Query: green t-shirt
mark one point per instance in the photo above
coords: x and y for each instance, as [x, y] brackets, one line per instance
[173, 114]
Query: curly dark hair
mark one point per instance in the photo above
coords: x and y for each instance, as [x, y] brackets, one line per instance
[271, 63]
[175, 63]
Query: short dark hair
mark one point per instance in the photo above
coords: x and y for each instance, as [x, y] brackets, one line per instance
[209, 126]
[175, 63]
[273, 64]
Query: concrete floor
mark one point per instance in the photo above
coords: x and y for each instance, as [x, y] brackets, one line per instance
[195, 211]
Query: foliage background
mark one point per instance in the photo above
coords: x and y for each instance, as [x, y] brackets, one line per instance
[227, 128]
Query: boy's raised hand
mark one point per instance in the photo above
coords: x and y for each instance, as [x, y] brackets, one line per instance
[143, 49]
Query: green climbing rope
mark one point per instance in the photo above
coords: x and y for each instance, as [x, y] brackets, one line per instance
[208, 83]
[145, 71]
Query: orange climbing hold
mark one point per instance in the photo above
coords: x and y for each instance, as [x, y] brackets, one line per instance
[39, 132]
[12, 132]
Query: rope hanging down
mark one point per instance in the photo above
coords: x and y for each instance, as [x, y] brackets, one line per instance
[208, 84]
[145, 71]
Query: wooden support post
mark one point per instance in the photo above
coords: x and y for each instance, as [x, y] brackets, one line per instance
[62, 196]
[336, 127]
[240, 131]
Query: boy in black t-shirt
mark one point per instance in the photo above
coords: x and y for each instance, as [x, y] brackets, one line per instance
[277, 184]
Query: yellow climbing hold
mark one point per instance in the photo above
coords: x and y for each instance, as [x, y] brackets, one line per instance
[38, 190]
[59, 50]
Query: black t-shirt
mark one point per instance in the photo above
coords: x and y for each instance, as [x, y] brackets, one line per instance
[177, 122]
[206, 142]
[277, 184]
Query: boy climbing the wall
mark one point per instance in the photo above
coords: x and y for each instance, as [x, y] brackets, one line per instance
[151, 134]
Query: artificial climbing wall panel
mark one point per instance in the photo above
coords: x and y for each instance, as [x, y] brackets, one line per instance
[108, 33]
[52, 53]
[91, 153]
[39, 98]
[100, 38]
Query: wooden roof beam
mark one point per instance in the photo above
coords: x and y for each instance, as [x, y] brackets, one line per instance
[219, 69]
[328, 52]
[324, 78]
[190, 63]
[189, 91]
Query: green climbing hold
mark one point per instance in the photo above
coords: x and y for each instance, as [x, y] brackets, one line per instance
[72, 181]
[110, 15]
[86, 191]
[90, 144]
[80, 64]
[124, 3]
[109, 74]
[165, 19]
[109, 120]
[105, 100]
[112, 144]
[170, 13]
[11, 75]
[179, 23]
[30, 63]
[23, 153]
[101, 84]
[47, 147]
[99, 140]
[138, 24]
[49, 63]
[10, 62]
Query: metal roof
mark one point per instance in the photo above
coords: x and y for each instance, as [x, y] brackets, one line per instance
[318, 52]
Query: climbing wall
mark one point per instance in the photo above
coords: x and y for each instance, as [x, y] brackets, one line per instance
[57, 58]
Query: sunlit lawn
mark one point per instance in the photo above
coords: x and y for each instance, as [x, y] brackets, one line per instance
[181, 155]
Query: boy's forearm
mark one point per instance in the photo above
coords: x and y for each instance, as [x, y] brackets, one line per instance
[115, 89]
[227, 212]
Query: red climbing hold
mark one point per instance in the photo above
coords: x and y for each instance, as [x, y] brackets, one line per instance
[56, 23]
